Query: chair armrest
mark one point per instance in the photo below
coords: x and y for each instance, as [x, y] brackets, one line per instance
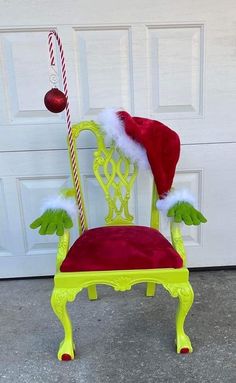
[177, 240]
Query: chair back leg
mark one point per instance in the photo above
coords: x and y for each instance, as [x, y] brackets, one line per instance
[150, 289]
[92, 293]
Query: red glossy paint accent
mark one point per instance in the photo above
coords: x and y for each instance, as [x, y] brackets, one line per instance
[184, 350]
[66, 357]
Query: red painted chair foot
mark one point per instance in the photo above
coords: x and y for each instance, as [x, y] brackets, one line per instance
[184, 350]
[66, 357]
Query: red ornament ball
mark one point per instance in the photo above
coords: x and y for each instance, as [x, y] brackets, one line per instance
[55, 100]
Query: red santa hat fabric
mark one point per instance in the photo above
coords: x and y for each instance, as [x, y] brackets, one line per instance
[149, 143]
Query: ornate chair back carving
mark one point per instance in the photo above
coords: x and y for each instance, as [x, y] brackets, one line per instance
[114, 172]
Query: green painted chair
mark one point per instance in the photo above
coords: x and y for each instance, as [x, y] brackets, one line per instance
[116, 176]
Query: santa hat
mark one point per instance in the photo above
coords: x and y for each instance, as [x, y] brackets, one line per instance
[148, 143]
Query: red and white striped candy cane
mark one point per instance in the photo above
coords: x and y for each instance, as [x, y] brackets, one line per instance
[52, 34]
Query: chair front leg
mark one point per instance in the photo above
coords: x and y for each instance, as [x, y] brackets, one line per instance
[59, 299]
[185, 294]
[186, 297]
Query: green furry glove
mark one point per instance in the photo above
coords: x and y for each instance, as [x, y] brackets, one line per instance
[53, 221]
[184, 211]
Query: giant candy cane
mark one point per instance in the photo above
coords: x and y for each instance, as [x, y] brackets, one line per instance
[53, 34]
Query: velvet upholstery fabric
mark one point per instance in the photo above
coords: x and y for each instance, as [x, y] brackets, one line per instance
[121, 248]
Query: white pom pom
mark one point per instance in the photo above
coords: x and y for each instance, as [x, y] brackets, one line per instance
[114, 129]
[60, 202]
[174, 197]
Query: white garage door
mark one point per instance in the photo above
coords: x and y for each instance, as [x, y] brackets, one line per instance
[172, 62]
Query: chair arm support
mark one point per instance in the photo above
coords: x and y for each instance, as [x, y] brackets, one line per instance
[62, 249]
[177, 240]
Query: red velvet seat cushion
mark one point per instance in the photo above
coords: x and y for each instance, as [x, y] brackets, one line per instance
[121, 248]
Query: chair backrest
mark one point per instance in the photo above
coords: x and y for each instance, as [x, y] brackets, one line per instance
[115, 174]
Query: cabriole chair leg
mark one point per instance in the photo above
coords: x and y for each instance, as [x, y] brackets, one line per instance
[186, 296]
[59, 299]
[184, 292]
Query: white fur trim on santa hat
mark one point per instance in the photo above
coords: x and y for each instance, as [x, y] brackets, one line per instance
[174, 197]
[114, 129]
[60, 202]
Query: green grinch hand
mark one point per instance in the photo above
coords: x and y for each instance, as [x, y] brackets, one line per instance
[183, 211]
[53, 221]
